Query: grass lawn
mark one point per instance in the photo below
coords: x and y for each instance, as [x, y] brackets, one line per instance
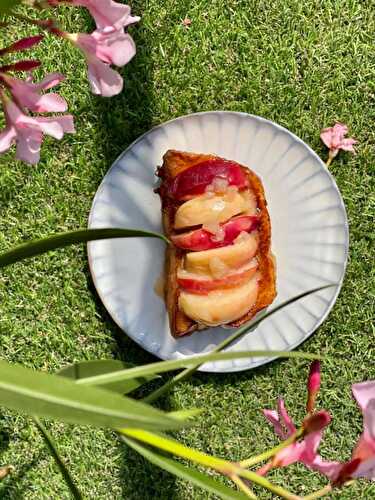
[301, 64]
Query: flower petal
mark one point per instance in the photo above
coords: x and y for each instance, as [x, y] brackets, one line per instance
[108, 13]
[115, 48]
[28, 146]
[56, 126]
[347, 145]
[103, 79]
[289, 455]
[365, 469]
[327, 468]
[273, 418]
[7, 138]
[49, 81]
[50, 103]
[363, 393]
[285, 418]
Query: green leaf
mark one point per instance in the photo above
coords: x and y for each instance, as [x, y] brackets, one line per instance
[59, 461]
[32, 248]
[57, 397]
[186, 414]
[174, 364]
[86, 369]
[184, 472]
[7, 5]
[237, 334]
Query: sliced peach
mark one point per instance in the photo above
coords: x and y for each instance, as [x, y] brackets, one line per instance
[220, 307]
[210, 208]
[199, 285]
[221, 261]
[223, 235]
[194, 180]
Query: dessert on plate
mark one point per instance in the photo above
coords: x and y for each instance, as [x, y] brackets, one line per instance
[219, 268]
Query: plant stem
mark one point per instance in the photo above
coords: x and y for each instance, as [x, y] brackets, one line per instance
[243, 487]
[238, 333]
[272, 452]
[320, 493]
[59, 462]
[265, 483]
[222, 466]
[329, 161]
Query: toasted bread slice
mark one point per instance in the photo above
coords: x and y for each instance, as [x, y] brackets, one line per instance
[174, 163]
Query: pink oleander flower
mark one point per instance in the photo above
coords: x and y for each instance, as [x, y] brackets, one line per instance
[334, 139]
[27, 132]
[304, 451]
[108, 15]
[28, 94]
[23, 44]
[313, 385]
[364, 451]
[102, 49]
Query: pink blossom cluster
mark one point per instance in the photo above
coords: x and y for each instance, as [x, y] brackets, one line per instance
[362, 461]
[108, 45]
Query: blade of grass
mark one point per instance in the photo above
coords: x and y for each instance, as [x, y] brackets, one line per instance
[175, 364]
[59, 461]
[237, 334]
[184, 472]
[37, 247]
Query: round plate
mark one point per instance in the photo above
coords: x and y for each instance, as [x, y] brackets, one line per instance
[309, 233]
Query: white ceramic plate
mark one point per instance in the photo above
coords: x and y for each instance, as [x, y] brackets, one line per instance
[309, 233]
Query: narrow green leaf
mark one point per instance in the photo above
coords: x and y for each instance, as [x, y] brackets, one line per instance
[186, 414]
[37, 247]
[86, 369]
[57, 397]
[59, 461]
[173, 446]
[194, 476]
[228, 341]
[174, 364]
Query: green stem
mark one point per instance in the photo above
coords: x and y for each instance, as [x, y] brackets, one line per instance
[59, 462]
[243, 487]
[238, 333]
[265, 483]
[222, 466]
[320, 493]
[272, 452]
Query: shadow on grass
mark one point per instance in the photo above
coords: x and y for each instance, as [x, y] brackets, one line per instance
[124, 118]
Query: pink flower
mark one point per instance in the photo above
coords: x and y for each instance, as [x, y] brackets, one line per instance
[333, 138]
[108, 15]
[304, 451]
[27, 132]
[27, 94]
[313, 385]
[102, 49]
[364, 394]
[23, 44]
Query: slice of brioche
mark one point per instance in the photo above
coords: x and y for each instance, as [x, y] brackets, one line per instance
[174, 163]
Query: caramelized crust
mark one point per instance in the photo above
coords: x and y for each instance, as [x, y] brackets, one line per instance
[174, 163]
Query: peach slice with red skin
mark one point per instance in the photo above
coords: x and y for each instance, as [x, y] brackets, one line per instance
[202, 286]
[194, 180]
[220, 306]
[209, 208]
[230, 257]
[202, 239]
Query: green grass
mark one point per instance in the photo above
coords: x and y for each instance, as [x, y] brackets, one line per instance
[301, 64]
